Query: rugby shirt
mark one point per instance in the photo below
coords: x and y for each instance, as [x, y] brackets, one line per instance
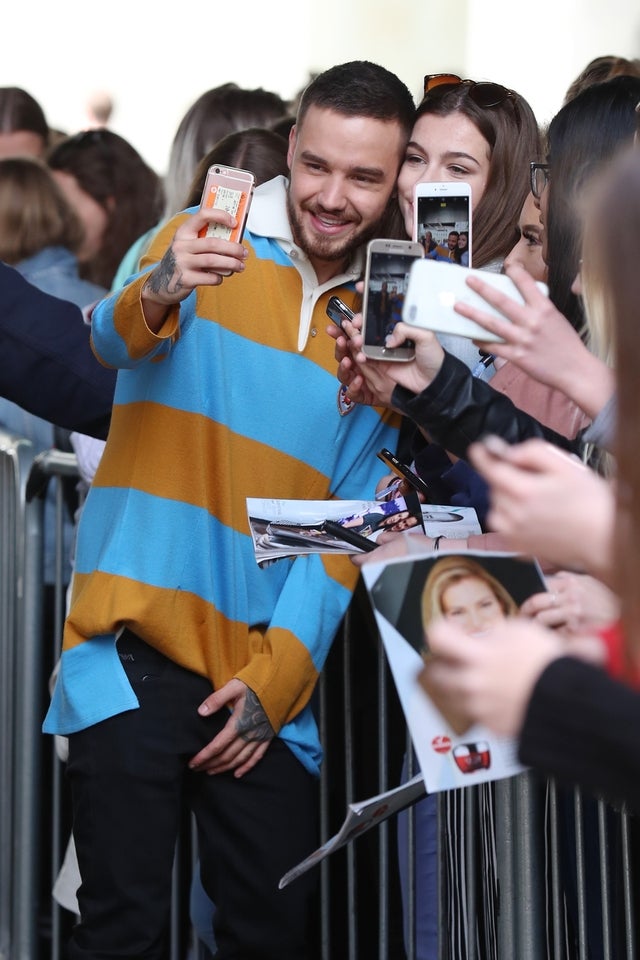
[235, 397]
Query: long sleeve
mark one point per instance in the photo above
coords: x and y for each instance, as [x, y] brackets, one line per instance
[581, 727]
[46, 363]
[457, 409]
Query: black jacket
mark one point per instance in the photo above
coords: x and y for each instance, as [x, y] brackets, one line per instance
[46, 363]
[457, 409]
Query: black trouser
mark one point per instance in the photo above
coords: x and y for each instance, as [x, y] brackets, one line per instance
[129, 776]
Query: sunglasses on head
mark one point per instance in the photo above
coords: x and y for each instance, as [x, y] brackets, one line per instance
[484, 94]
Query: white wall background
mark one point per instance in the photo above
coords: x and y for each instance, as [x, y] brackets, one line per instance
[156, 58]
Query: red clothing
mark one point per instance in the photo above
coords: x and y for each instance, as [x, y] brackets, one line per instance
[616, 666]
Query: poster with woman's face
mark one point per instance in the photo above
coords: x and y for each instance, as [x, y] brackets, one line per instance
[476, 591]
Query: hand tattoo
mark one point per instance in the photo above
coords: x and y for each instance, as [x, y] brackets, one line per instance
[253, 725]
[160, 279]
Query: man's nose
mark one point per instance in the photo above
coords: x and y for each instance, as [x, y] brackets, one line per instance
[333, 194]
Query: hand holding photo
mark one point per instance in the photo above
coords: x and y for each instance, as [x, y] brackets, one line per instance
[477, 591]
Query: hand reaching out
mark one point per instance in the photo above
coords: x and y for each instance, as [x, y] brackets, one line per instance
[540, 340]
[549, 504]
[490, 680]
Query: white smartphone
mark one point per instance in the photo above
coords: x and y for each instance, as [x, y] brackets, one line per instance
[434, 288]
[232, 190]
[385, 283]
[442, 221]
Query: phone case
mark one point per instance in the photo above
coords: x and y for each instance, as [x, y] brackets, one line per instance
[385, 284]
[438, 210]
[433, 290]
[230, 189]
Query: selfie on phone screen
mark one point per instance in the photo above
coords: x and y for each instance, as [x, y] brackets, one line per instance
[387, 275]
[443, 221]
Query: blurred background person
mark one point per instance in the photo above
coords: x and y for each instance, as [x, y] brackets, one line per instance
[24, 131]
[116, 195]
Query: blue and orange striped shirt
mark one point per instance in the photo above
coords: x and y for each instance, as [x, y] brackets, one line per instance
[235, 397]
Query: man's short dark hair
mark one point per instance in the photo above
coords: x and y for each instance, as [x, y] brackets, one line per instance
[360, 89]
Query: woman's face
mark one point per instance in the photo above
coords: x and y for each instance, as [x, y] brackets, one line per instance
[472, 604]
[443, 148]
[93, 216]
[542, 206]
[528, 250]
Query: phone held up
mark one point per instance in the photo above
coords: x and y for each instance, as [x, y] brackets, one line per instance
[385, 283]
[338, 311]
[442, 221]
[230, 189]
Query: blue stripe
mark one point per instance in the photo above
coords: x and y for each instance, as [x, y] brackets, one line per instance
[188, 542]
[267, 249]
[91, 686]
[260, 383]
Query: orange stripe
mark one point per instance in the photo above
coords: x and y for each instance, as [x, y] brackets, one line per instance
[196, 635]
[225, 467]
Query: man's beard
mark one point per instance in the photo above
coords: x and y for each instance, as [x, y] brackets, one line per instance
[327, 248]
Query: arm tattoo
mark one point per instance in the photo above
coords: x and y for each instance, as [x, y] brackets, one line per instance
[160, 279]
[253, 725]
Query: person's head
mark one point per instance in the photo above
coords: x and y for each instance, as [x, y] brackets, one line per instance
[527, 251]
[463, 240]
[345, 151]
[600, 69]
[611, 257]
[115, 193]
[583, 137]
[99, 108]
[215, 113]
[452, 240]
[460, 589]
[24, 131]
[481, 134]
[397, 522]
[257, 149]
[34, 213]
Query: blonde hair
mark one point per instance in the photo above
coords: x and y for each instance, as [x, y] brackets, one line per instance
[34, 213]
[453, 569]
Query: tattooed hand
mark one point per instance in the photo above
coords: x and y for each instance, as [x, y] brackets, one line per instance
[245, 737]
[190, 261]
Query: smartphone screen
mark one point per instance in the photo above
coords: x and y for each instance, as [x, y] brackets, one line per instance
[443, 225]
[388, 267]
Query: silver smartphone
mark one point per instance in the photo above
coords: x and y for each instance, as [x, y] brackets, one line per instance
[385, 285]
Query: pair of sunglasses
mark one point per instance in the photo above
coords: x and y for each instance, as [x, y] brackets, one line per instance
[484, 94]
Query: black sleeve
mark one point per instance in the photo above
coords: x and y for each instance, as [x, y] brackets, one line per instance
[581, 727]
[47, 366]
[457, 409]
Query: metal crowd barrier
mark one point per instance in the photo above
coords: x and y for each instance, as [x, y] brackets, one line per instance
[563, 862]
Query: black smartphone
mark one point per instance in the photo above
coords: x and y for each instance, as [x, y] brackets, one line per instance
[348, 535]
[338, 311]
[402, 470]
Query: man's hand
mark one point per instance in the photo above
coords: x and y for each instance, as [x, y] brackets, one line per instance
[190, 261]
[245, 737]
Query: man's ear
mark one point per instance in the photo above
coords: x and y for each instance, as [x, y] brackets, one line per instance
[293, 138]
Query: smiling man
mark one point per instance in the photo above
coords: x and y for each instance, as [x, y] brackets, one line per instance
[187, 670]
